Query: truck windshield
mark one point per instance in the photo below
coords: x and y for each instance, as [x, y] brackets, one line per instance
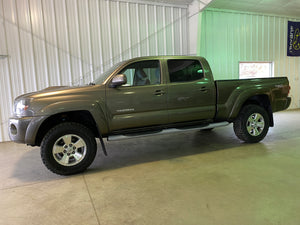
[102, 77]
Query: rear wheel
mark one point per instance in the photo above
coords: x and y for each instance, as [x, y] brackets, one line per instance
[68, 148]
[252, 124]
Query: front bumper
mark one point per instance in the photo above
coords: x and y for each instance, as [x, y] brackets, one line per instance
[17, 128]
[24, 129]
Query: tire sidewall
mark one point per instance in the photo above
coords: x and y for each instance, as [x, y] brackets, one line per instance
[240, 125]
[58, 131]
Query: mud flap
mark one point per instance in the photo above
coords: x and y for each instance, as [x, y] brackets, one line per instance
[102, 145]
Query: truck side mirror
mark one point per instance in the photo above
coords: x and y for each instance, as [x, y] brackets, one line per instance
[118, 80]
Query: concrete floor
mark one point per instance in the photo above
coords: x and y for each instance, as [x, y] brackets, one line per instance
[190, 178]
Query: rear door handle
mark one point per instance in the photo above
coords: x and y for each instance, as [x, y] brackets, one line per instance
[203, 89]
[159, 92]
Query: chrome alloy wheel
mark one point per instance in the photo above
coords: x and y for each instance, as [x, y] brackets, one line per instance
[69, 150]
[255, 124]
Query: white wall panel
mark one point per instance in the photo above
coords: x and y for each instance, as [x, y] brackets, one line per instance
[26, 45]
[38, 44]
[12, 36]
[64, 56]
[115, 30]
[51, 48]
[228, 37]
[6, 91]
[65, 42]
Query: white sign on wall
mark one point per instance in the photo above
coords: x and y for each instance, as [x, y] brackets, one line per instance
[255, 70]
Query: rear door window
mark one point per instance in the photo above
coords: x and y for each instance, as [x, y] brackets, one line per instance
[184, 70]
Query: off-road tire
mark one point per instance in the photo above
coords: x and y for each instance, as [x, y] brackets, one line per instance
[252, 124]
[56, 140]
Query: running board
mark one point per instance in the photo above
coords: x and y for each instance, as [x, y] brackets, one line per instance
[165, 131]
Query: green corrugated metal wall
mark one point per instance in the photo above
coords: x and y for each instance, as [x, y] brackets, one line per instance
[227, 37]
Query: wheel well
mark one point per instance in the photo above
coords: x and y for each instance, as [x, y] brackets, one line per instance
[263, 101]
[83, 117]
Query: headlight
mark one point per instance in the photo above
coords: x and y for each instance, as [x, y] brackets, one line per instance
[21, 107]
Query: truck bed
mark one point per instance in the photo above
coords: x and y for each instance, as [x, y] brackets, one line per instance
[230, 93]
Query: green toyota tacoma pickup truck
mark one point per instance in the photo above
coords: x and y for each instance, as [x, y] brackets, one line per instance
[138, 97]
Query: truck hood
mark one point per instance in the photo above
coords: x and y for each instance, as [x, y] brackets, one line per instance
[59, 91]
[60, 98]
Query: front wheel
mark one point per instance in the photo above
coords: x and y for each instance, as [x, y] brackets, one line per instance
[252, 124]
[68, 148]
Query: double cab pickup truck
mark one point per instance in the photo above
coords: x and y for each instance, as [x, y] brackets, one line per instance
[138, 97]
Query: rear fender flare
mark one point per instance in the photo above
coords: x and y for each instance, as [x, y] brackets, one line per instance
[245, 96]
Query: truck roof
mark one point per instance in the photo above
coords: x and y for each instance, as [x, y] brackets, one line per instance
[164, 57]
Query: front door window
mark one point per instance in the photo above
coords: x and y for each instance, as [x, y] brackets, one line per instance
[142, 73]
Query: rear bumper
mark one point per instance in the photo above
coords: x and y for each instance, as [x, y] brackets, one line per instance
[289, 99]
[282, 104]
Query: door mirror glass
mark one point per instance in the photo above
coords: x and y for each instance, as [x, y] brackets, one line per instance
[118, 80]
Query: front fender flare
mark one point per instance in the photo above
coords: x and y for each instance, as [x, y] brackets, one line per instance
[94, 107]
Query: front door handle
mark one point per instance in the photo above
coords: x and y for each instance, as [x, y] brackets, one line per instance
[159, 92]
